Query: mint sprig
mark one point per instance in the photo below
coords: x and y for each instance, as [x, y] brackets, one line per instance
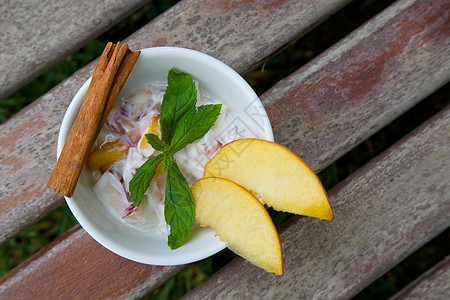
[179, 209]
[180, 97]
[194, 125]
[141, 180]
[156, 143]
[181, 124]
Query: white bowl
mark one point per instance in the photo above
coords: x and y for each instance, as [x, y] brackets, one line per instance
[153, 65]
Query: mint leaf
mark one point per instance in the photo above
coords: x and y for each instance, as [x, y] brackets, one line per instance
[180, 97]
[141, 180]
[179, 209]
[181, 124]
[156, 143]
[194, 125]
[167, 162]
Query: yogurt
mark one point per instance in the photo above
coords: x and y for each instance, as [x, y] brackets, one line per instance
[121, 148]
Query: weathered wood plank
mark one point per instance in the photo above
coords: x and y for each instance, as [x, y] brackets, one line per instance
[35, 35]
[243, 34]
[383, 212]
[77, 267]
[125, 268]
[433, 285]
[363, 82]
[28, 140]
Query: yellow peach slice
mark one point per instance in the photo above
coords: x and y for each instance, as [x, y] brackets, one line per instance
[158, 172]
[105, 155]
[153, 128]
[273, 172]
[240, 220]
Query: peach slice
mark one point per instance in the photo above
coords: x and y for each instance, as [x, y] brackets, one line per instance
[158, 172]
[103, 156]
[240, 220]
[274, 173]
[153, 127]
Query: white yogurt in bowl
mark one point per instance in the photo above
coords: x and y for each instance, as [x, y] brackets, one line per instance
[100, 202]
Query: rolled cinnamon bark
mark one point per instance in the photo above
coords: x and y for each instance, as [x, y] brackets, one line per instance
[110, 74]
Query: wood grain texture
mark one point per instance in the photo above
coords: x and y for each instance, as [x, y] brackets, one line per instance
[374, 228]
[433, 285]
[364, 258]
[243, 34]
[383, 212]
[36, 34]
[28, 140]
[76, 267]
[363, 82]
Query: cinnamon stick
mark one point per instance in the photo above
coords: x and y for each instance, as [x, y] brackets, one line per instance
[110, 74]
[119, 81]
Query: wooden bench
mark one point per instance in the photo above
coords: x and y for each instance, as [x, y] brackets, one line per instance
[383, 212]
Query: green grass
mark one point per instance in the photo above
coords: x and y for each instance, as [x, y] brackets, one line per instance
[34, 238]
[281, 65]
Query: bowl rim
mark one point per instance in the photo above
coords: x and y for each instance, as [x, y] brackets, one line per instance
[91, 229]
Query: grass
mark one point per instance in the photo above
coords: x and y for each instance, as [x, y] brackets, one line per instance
[281, 65]
[34, 238]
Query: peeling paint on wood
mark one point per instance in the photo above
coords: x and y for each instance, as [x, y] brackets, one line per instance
[370, 77]
[30, 136]
[35, 35]
[72, 261]
[380, 218]
[383, 212]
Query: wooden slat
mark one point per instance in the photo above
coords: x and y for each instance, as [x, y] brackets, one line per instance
[403, 91]
[35, 35]
[77, 267]
[242, 34]
[383, 212]
[28, 140]
[363, 82]
[433, 285]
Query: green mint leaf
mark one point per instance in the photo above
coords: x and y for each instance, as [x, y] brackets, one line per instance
[167, 162]
[141, 180]
[156, 143]
[180, 97]
[181, 124]
[179, 210]
[194, 125]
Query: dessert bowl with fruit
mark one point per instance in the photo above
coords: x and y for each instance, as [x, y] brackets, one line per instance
[176, 161]
[131, 231]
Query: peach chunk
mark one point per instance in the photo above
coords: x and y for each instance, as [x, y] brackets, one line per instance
[240, 220]
[158, 172]
[102, 157]
[274, 173]
[153, 128]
